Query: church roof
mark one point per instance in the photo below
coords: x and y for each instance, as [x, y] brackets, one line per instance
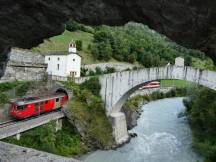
[58, 53]
[61, 53]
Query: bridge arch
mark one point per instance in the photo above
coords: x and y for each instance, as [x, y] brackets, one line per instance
[117, 87]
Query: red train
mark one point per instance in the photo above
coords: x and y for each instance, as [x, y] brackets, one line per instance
[154, 84]
[32, 106]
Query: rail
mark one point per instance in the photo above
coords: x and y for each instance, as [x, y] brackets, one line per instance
[14, 127]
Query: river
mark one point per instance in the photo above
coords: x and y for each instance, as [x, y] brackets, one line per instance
[162, 137]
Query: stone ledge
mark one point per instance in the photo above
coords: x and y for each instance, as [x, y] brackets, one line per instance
[26, 64]
[13, 153]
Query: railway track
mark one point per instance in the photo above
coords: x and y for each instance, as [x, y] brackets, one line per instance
[7, 123]
[12, 122]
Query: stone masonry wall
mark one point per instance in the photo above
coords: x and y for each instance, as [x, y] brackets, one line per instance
[103, 66]
[24, 65]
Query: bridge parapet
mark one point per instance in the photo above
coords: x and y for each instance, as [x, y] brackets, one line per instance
[117, 87]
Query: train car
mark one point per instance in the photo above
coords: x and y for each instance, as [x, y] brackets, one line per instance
[154, 84]
[32, 106]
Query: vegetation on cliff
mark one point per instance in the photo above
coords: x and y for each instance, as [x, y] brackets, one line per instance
[201, 110]
[87, 112]
[20, 89]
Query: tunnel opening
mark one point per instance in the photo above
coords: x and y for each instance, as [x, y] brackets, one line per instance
[62, 91]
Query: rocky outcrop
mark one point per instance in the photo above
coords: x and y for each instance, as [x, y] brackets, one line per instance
[131, 116]
[23, 65]
[189, 22]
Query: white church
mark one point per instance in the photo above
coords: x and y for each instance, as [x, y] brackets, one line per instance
[64, 64]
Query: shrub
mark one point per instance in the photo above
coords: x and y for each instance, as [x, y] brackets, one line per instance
[98, 71]
[8, 85]
[93, 85]
[91, 73]
[102, 51]
[3, 98]
[72, 25]
[79, 45]
[23, 88]
[83, 72]
[110, 70]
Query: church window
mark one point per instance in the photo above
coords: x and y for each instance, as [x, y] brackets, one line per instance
[57, 66]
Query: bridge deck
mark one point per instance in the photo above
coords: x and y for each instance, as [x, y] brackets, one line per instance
[25, 125]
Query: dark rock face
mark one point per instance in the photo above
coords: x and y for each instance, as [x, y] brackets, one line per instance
[26, 23]
[131, 117]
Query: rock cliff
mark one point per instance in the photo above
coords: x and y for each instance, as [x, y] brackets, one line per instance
[26, 23]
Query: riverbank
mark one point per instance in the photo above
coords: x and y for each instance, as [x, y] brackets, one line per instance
[132, 107]
[201, 111]
[161, 136]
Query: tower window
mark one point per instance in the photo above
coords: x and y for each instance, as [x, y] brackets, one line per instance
[58, 58]
[49, 58]
[57, 66]
[73, 59]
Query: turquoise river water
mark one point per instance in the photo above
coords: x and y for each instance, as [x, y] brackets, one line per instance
[163, 136]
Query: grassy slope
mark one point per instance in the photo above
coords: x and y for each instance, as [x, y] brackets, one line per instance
[175, 83]
[60, 43]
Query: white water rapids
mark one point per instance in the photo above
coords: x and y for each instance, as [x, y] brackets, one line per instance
[162, 137]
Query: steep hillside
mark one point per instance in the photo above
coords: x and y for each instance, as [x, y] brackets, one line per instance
[133, 43]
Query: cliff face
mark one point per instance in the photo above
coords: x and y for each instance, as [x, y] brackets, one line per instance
[26, 23]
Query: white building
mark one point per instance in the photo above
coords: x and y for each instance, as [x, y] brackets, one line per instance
[64, 64]
[179, 61]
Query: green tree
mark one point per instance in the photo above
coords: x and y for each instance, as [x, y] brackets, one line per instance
[98, 71]
[79, 45]
[102, 51]
[188, 61]
[72, 25]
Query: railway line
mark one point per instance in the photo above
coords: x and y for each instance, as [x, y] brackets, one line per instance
[7, 123]
[13, 127]
[15, 121]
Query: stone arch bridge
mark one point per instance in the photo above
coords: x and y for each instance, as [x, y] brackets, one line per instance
[117, 87]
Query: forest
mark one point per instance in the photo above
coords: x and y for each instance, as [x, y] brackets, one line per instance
[136, 43]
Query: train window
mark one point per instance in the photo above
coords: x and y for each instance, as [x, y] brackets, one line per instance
[57, 99]
[46, 102]
[21, 107]
[41, 103]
